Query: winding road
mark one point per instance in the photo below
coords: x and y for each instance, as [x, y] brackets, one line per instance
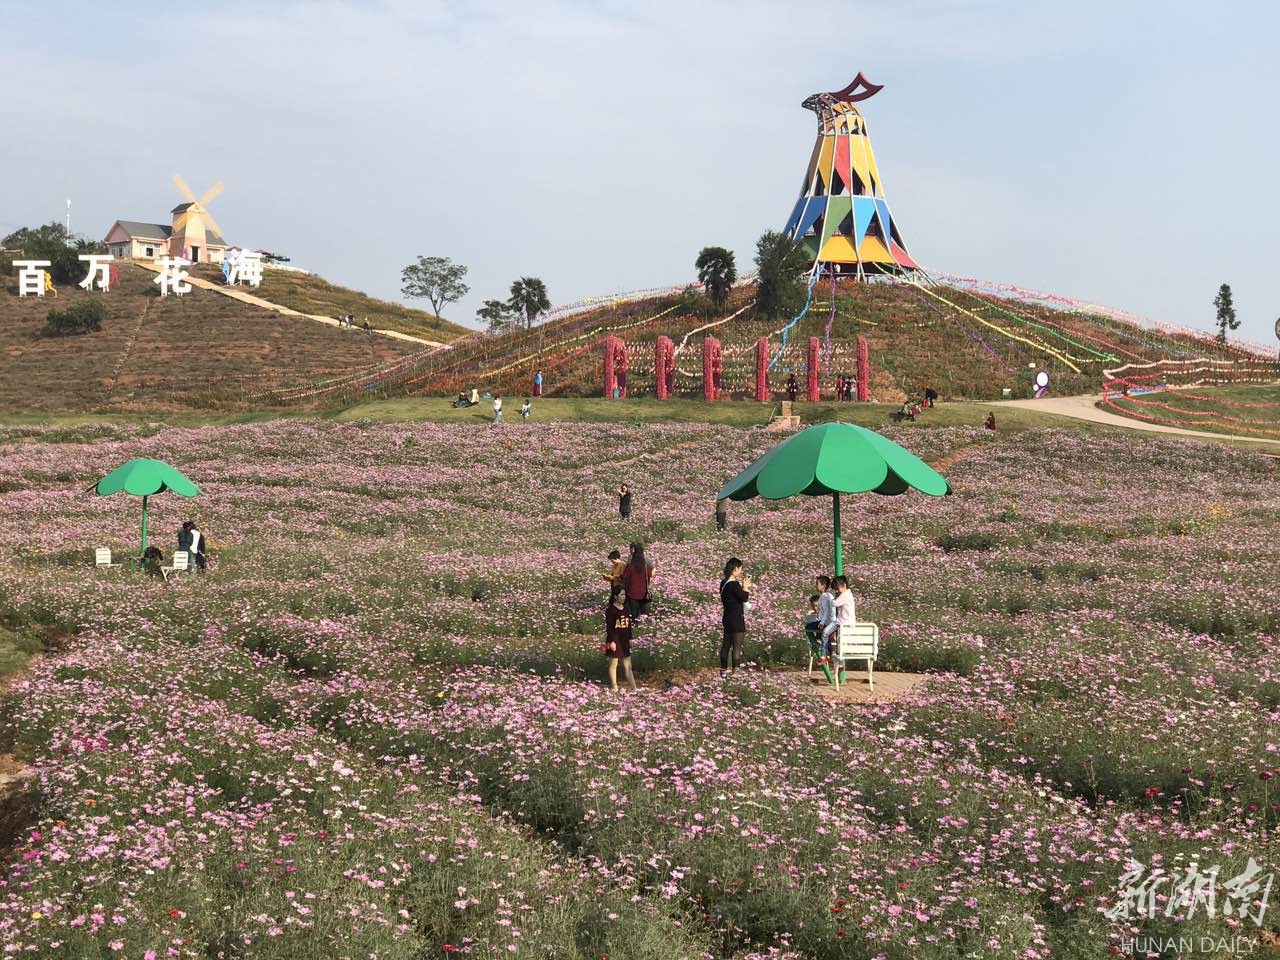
[1083, 408]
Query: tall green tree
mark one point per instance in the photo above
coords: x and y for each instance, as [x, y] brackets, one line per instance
[780, 264]
[495, 313]
[437, 279]
[716, 273]
[529, 297]
[1226, 312]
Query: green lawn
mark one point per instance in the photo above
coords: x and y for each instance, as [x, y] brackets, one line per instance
[1218, 412]
[739, 413]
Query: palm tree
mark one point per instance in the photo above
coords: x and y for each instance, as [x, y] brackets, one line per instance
[716, 273]
[529, 296]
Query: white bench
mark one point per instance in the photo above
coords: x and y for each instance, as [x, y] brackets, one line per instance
[857, 641]
[181, 564]
[102, 557]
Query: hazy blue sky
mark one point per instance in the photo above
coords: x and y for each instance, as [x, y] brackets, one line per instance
[1120, 152]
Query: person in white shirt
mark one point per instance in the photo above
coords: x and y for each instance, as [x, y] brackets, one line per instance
[497, 409]
[842, 612]
[525, 408]
[820, 616]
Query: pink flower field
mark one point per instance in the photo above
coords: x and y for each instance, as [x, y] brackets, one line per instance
[377, 727]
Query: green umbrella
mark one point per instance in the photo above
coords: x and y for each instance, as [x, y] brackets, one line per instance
[145, 478]
[834, 458]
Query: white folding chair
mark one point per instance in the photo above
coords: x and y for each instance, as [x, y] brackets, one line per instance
[102, 557]
[858, 641]
[181, 564]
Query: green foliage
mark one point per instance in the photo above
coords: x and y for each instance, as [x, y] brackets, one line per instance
[495, 313]
[49, 242]
[780, 263]
[529, 297]
[717, 273]
[691, 302]
[84, 316]
[1226, 312]
[436, 279]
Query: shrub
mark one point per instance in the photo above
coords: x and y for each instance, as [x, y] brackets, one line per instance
[86, 316]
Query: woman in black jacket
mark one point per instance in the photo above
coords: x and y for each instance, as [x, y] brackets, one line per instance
[735, 591]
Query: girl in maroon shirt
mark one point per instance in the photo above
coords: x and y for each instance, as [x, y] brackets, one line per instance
[617, 644]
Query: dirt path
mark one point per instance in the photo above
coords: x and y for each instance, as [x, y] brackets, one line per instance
[249, 298]
[1082, 408]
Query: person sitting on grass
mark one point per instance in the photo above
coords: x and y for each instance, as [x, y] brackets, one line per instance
[617, 643]
[842, 614]
[906, 413]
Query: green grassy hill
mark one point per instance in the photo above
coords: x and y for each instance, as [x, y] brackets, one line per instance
[202, 350]
[965, 344]
[308, 293]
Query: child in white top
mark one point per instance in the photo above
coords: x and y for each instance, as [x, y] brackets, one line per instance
[843, 610]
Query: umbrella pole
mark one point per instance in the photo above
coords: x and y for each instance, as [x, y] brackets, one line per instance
[838, 551]
[144, 524]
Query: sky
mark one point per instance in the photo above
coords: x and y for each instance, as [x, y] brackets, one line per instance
[1121, 153]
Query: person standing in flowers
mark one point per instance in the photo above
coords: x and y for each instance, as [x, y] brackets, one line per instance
[617, 639]
[735, 592]
[616, 566]
[624, 502]
[636, 578]
[722, 514]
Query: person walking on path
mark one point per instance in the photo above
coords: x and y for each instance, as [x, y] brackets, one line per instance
[497, 409]
[735, 592]
[537, 384]
[617, 637]
[792, 388]
[722, 514]
[624, 502]
[636, 579]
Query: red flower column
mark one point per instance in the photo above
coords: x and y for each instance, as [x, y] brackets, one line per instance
[762, 369]
[815, 370]
[664, 365]
[864, 370]
[610, 378]
[615, 367]
[620, 366]
[712, 368]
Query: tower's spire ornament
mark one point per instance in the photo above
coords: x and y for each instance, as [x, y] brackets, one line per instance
[858, 89]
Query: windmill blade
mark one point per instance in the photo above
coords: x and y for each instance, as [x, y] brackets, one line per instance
[184, 189]
[210, 222]
[211, 194]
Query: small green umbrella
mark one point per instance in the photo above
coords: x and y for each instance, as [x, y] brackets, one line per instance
[834, 458]
[145, 478]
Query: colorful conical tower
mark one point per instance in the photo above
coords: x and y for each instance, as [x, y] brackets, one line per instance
[842, 217]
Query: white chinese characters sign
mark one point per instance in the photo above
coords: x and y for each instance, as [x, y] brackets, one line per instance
[244, 266]
[99, 271]
[172, 278]
[32, 279]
